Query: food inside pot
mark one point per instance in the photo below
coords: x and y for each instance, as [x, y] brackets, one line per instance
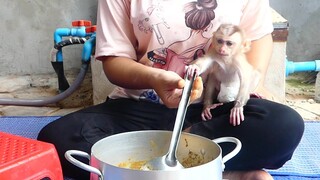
[136, 165]
[193, 159]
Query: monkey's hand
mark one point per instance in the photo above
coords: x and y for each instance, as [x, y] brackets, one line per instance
[191, 69]
[206, 113]
[236, 115]
[256, 95]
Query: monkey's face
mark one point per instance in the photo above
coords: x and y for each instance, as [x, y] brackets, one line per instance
[227, 46]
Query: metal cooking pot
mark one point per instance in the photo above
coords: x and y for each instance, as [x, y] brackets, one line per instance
[109, 152]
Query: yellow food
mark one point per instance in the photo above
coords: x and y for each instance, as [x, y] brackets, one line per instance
[136, 165]
[192, 160]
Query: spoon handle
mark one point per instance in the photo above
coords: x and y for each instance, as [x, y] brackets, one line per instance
[181, 113]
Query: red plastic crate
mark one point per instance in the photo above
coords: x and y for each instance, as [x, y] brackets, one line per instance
[28, 159]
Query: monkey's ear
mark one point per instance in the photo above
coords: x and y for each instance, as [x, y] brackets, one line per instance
[246, 46]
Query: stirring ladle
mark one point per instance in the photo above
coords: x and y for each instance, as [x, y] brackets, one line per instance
[169, 161]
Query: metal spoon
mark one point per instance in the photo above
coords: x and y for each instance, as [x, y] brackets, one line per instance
[169, 161]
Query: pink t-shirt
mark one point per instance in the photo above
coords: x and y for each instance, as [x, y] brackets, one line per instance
[169, 34]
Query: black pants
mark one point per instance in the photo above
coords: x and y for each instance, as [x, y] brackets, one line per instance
[269, 134]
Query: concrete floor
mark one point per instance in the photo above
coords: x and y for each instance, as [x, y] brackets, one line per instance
[45, 86]
[41, 87]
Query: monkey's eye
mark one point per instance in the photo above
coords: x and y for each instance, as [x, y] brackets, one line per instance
[219, 41]
[229, 43]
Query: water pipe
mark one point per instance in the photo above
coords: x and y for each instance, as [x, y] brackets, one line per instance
[88, 48]
[79, 30]
[89, 43]
[58, 65]
[292, 67]
[82, 33]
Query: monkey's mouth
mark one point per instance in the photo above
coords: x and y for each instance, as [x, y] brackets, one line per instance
[223, 54]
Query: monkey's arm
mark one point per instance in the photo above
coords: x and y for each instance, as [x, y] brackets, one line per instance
[249, 79]
[244, 90]
[236, 113]
[200, 65]
[210, 93]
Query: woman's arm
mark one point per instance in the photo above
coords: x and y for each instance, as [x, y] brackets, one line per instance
[259, 57]
[130, 74]
[260, 54]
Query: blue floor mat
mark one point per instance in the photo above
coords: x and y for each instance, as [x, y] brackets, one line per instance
[305, 162]
[26, 126]
[304, 165]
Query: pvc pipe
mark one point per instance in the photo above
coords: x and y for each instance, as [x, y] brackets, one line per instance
[82, 28]
[58, 66]
[61, 32]
[292, 67]
[88, 48]
[58, 47]
[70, 41]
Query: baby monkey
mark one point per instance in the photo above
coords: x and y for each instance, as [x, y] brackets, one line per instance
[230, 77]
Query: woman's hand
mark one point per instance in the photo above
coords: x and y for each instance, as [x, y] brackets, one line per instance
[169, 85]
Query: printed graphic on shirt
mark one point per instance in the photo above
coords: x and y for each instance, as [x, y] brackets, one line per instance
[150, 95]
[177, 55]
[155, 12]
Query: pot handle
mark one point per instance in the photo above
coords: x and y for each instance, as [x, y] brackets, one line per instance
[69, 156]
[234, 152]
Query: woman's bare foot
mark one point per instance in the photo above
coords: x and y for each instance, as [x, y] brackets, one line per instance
[247, 175]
